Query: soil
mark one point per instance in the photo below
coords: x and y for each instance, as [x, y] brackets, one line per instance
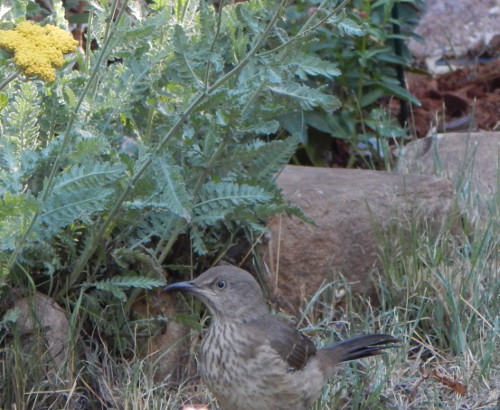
[467, 99]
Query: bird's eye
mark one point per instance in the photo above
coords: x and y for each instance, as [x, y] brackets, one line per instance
[221, 284]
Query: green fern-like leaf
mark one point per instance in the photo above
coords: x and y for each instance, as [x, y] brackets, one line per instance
[187, 66]
[117, 284]
[141, 282]
[40, 255]
[125, 257]
[89, 146]
[22, 127]
[11, 171]
[79, 193]
[258, 128]
[350, 27]
[88, 176]
[15, 211]
[251, 20]
[345, 25]
[171, 186]
[197, 241]
[264, 160]
[150, 222]
[308, 98]
[64, 209]
[222, 198]
[167, 192]
[303, 64]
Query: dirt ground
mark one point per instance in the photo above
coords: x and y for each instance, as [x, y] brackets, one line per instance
[462, 100]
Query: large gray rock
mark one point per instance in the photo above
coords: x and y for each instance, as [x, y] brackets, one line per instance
[470, 160]
[355, 211]
[457, 28]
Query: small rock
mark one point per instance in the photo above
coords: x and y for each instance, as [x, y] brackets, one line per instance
[41, 320]
[168, 350]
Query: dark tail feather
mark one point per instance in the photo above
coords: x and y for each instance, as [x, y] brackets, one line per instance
[364, 346]
[355, 348]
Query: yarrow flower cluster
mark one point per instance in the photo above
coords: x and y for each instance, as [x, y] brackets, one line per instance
[38, 50]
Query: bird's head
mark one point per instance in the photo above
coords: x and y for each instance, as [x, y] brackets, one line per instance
[229, 292]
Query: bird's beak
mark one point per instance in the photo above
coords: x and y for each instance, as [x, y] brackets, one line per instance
[189, 287]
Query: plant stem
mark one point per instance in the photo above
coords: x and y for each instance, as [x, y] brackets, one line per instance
[12, 77]
[217, 33]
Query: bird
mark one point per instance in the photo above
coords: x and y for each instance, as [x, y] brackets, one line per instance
[251, 359]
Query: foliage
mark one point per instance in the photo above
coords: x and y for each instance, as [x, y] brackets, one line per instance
[154, 148]
[363, 47]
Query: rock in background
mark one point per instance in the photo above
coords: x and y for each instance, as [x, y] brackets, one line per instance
[355, 212]
[461, 51]
[470, 160]
[43, 326]
[457, 29]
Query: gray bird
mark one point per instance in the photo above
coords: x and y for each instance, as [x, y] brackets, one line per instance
[252, 360]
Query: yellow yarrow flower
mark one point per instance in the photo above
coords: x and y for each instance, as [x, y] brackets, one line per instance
[38, 50]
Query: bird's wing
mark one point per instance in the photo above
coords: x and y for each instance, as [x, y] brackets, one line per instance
[291, 345]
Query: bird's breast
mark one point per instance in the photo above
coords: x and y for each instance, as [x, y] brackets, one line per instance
[248, 375]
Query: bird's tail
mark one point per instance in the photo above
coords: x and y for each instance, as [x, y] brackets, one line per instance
[355, 348]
